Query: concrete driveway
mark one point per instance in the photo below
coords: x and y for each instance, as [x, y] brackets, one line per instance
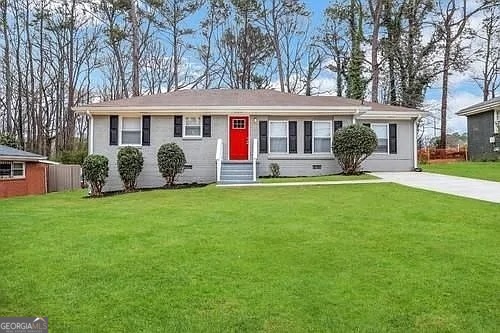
[464, 187]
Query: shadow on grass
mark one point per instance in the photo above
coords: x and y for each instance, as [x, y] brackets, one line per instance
[165, 187]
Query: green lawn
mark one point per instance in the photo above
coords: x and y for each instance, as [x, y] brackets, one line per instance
[330, 178]
[479, 170]
[364, 258]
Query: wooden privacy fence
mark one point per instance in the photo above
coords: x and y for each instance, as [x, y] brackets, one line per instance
[442, 155]
[63, 177]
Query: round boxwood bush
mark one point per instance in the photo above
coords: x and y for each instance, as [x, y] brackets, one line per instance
[95, 171]
[130, 163]
[171, 161]
[352, 145]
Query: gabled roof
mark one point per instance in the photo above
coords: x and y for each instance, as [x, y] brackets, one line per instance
[240, 98]
[492, 104]
[16, 154]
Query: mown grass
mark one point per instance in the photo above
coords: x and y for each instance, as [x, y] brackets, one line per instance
[478, 170]
[364, 258]
[331, 178]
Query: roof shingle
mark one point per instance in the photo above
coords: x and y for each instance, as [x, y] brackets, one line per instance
[239, 97]
[12, 152]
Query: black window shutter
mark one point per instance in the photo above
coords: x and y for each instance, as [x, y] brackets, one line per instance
[146, 130]
[307, 137]
[337, 124]
[292, 137]
[367, 125]
[263, 137]
[178, 126]
[113, 130]
[393, 139]
[207, 126]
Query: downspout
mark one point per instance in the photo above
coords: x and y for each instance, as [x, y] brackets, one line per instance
[415, 148]
[90, 144]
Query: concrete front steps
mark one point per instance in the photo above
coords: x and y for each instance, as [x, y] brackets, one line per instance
[236, 172]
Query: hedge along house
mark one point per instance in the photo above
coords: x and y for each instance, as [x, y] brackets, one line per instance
[21, 173]
[234, 135]
[483, 128]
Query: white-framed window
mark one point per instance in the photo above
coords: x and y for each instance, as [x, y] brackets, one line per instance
[11, 169]
[496, 123]
[322, 136]
[239, 124]
[192, 127]
[278, 136]
[382, 132]
[130, 131]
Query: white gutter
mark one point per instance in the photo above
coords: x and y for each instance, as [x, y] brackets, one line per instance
[480, 109]
[391, 115]
[215, 108]
[266, 112]
[21, 158]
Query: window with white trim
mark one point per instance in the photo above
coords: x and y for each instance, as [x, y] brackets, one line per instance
[278, 137]
[382, 132]
[10, 169]
[192, 127]
[131, 130]
[322, 136]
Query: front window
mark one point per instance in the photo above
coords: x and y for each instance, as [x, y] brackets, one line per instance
[322, 133]
[278, 136]
[192, 127]
[382, 132]
[10, 169]
[130, 130]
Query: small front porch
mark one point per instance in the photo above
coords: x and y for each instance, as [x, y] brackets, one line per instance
[236, 171]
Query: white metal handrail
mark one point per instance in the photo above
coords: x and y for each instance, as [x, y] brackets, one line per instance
[218, 157]
[254, 160]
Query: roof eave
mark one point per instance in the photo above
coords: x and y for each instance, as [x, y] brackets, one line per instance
[223, 110]
[480, 109]
[393, 114]
[22, 158]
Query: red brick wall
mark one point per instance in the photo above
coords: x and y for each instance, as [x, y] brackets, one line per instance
[33, 183]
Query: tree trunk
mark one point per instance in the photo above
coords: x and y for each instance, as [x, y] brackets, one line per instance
[136, 90]
[444, 97]
[7, 68]
[376, 11]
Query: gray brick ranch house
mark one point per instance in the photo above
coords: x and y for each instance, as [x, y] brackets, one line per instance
[234, 135]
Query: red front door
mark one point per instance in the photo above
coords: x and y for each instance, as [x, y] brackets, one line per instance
[238, 138]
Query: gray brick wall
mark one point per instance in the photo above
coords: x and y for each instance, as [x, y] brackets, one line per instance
[479, 130]
[200, 153]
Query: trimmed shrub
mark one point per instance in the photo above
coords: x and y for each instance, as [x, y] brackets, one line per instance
[130, 163]
[275, 170]
[95, 171]
[352, 145]
[171, 161]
